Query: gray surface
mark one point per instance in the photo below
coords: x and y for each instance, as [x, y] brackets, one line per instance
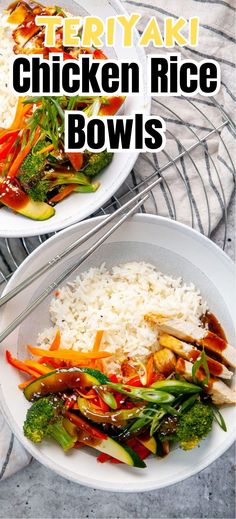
[37, 492]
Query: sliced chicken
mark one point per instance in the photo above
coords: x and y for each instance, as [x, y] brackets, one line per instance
[127, 370]
[24, 16]
[19, 13]
[165, 361]
[25, 31]
[189, 332]
[191, 353]
[219, 391]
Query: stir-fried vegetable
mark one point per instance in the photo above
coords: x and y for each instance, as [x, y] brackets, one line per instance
[124, 418]
[60, 380]
[12, 196]
[190, 427]
[95, 162]
[32, 149]
[44, 419]
[41, 190]
[114, 417]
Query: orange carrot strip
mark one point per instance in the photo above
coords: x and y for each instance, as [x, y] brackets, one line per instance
[68, 354]
[149, 369]
[99, 365]
[23, 153]
[24, 384]
[52, 363]
[66, 191]
[98, 340]
[47, 149]
[88, 397]
[85, 363]
[42, 370]
[56, 341]
[21, 111]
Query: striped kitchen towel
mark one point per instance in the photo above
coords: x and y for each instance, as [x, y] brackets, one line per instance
[13, 456]
[199, 187]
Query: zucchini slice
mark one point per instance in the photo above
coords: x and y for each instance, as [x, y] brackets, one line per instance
[122, 453]
[148, 442]
[62, 379]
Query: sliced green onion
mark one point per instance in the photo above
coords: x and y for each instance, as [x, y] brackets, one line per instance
[201, 362]
[218, 417]
[187, 404]
[108, 398]
[148, 394]
[176, 387]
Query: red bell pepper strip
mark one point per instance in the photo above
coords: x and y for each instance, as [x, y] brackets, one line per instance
[112, 105]
[103, 404]
[135, 381]
[6, 148]
[114, 378]
[98, 54]
[18, 364]
[85, 426]
[7, 134]
[78, 445]
[103, 457]
[66, 55]
[141, 450]
[76, 159]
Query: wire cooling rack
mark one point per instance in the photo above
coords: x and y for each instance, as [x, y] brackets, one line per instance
[196, 138]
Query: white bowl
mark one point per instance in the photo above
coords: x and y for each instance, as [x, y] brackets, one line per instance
[175, 249]
[78, 206]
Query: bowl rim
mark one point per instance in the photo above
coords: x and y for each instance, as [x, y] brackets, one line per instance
[95, 483]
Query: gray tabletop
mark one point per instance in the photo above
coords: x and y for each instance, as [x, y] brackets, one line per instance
[36, 492]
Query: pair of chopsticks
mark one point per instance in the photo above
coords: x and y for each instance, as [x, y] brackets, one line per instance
[137, 200]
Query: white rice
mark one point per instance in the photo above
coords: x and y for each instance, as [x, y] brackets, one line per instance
[116, 301]
[7, 100]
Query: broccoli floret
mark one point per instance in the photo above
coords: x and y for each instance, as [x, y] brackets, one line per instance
[44, 419]
[39, 191]
[38, 179]
[95, 162]
[189, 428]
[194, 425]
[53, 180]
[33, 165]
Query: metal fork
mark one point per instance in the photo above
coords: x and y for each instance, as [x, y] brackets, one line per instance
[29, 309]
